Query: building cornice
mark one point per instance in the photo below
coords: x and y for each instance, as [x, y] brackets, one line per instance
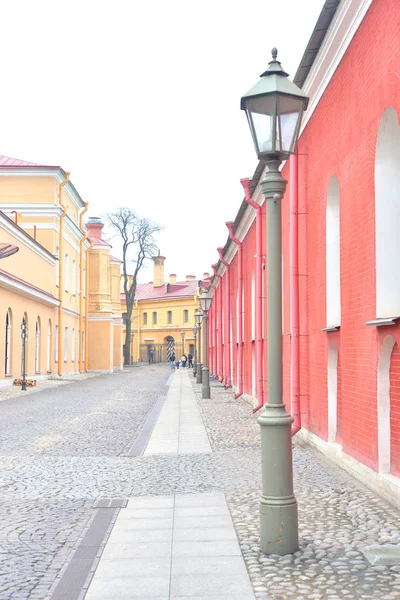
[23, 289]
[21, 236]
[70, 313]
[57, 172]
[345, 23]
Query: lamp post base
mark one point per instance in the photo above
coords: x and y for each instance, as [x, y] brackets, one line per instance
[198, 374]
[205, 378]
[278, 506]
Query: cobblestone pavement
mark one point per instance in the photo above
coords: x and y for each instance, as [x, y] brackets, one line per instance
[337, 518]
[65, 447]
[51, 444]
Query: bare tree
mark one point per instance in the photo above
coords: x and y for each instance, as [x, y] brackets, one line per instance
[138, 244]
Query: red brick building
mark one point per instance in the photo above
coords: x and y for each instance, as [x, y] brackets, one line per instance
[348, 192]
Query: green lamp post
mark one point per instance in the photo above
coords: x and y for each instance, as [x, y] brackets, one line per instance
[195, 330]
[205, 303]
[274, 109]
[198, 317]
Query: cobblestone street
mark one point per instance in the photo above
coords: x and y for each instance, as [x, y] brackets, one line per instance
[65, 448]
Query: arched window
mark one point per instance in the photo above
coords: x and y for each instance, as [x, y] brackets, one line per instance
[387, 215]
[37, 346]
[48, 361]
[7, 367]
[333, 254]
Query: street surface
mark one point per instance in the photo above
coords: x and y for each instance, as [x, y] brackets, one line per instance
[65, 448]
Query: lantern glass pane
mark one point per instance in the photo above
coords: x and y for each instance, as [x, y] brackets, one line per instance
[261, 113]
[290, 110]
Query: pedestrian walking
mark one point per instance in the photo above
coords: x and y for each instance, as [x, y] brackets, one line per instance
[172, 360]
[183, 360]
[190, 361]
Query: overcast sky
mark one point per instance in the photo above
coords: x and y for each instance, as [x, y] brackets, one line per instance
[140, 100]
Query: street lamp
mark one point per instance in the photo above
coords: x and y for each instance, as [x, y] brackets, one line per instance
[195, 328]
[183, 342]
[24, 336]
[274, 108]
[198, 315]
[205, 303]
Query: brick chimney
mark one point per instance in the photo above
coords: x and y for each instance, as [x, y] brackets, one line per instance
[172, 279]
[158, 278]
[190, 277]
[94, 225]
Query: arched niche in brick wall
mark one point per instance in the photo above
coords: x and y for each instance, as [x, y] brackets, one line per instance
[333, 254]
[384, 404]
[332, 391]
[387, 215]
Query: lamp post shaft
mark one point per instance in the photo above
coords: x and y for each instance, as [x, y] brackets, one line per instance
[198, 367]
[205, 375]
[195, 354]
[278, 506]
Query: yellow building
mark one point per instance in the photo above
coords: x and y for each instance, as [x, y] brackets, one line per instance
[46, 280]
[163, 316]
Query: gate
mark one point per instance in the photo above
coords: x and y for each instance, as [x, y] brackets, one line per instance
[154, 353]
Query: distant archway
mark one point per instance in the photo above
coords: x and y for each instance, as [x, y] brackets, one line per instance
[384, 404]
[332, 391]
[8, 349]
[170, 341]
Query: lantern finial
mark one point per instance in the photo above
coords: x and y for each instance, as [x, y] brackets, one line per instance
[274, 53]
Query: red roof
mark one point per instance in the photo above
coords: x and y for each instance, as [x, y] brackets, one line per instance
[114, 259]
[7, 161]
[147, 291]
[98, 241]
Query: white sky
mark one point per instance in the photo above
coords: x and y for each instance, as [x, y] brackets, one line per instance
[140, 100]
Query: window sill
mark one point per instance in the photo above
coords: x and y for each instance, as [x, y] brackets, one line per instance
[381, 322]
[331, 328]
[8, 375]
[37, 372]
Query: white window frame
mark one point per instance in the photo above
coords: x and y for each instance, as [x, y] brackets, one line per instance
[74, 276]
[37, 347]
[66, 344]
[66, 274]
[57, 266]
[73, 345]
[56, 346]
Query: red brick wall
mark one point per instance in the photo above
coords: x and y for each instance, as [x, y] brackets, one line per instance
[340, 139]
[395, 411]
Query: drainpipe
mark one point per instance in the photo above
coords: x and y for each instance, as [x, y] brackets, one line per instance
[81, 284]
[239, 391]
[14, 212]
[212, 343]
[61, 276]
[34, 232]
[294, 294]
[220, 357]
[87, 309]
[227, 323]
[258, 321]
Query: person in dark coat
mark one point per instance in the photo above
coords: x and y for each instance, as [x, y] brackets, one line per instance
[190, 360]
[172, 360]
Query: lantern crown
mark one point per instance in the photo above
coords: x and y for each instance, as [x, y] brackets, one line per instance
[274, 107]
